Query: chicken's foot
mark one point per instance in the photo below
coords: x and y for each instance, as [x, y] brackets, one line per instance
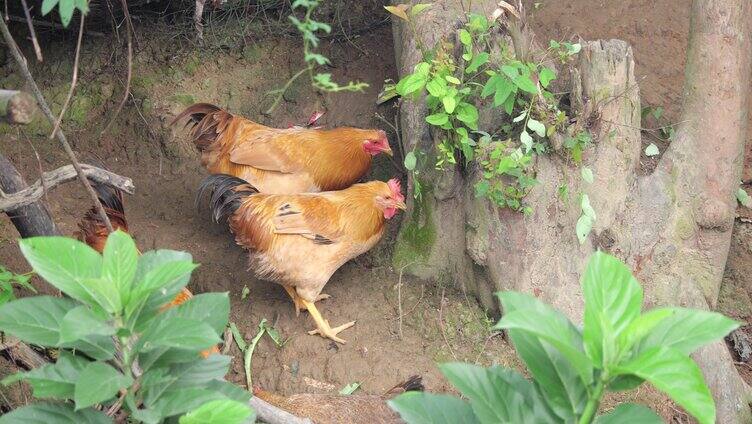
[323, 325]
[297, 300]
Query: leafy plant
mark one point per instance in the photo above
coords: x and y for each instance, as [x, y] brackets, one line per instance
[118, 351]
[66, 8]
[453, 88]
[7, 282]
[248, 348]
[618, 348]
[308, 27]
[743, 198]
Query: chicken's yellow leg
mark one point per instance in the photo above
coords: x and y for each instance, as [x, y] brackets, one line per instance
[299, 306]
[323, 325]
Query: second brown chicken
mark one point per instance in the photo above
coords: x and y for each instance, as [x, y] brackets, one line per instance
[300, 240]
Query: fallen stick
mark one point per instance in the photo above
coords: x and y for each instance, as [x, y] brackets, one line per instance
[59, 176]
[20, 351]
[270, 414]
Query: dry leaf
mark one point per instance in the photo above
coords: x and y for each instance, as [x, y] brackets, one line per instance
[399, 11]
[505, 7]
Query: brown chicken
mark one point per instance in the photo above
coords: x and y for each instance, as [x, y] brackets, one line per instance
[337, 409]
[300, 240]
[282, 161]
[93, 232]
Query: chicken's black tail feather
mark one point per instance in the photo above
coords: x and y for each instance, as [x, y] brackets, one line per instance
[225, 194]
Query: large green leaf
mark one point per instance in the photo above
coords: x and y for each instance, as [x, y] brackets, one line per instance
[211, 308]
[688, 329]
[65, 263]
[55, 381]
[158, 286]
[35, 320]
[80, 322]
[641, 327]
[181, 333]
[186, 375]
[498, 395]
[180, 401]
[119, 262]
[57, 413]
[613, 299]
[557, 378]
[630, 413]
[430, 408]
[229, 390]
[221, 411]
[97, 383]
[675, 374]
[99, 347]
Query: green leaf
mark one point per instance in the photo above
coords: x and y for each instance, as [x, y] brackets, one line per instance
[221, 411]
[498, 395]
[553, 328]
[437, 119]
[419, 7]
[119, 261]
[57, 413]
[55, 381]
[181, 333]
[587, 174]
[35, 320]
[675, 374]
[437, 87]
[66, 11]
[688, 329]
[158, 286]
[315, 57]
[180, 401]
[349, 389]
[587, 210]
[65, 263]
[479, 60]
[490, 86]
[546, 76]
[410, 84]
[537, 126]
[503, 92]
[449, 103]
[743, 198]
[652, 150]
[613, 299]
[526, 140]
[468, 114]
[564, 390]
[81, 322]
[524, 83]
[452, 79]
[97, 383]
[430, 408]
[465, 37]
[642, 326]
[520, 117]
[630, 413]
[210, 308]
[583, 227]
[48, 5]
[410, 161]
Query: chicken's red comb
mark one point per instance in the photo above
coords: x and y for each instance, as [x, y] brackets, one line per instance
[396, 187]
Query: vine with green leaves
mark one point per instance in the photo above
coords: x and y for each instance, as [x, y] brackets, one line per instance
[308, 27]
[519, 88]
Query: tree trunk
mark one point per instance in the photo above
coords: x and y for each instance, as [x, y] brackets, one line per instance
[673, 227]
[30, 220]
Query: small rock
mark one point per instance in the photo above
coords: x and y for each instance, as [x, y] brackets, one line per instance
[742, 344]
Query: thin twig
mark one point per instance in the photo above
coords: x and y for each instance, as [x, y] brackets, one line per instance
[33, 33]
[21, 62]
[399, 303]
[74, 79]
[129, 37]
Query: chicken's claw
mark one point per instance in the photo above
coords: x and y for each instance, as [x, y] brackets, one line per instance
[331, 333]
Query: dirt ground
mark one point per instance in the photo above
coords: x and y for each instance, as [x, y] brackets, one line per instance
[438, 323]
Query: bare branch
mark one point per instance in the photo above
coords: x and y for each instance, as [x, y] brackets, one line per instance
[61, 175]
[273, 415]
[21, 62]
[74, 79]
[20, 351]
[34, 41]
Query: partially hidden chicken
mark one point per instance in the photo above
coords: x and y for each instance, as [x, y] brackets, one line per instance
[282, 161]
[337, 409]
[300, 240]
[94, 232]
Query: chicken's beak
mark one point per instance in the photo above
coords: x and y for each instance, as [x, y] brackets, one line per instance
[388, 151]
[400, 205]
